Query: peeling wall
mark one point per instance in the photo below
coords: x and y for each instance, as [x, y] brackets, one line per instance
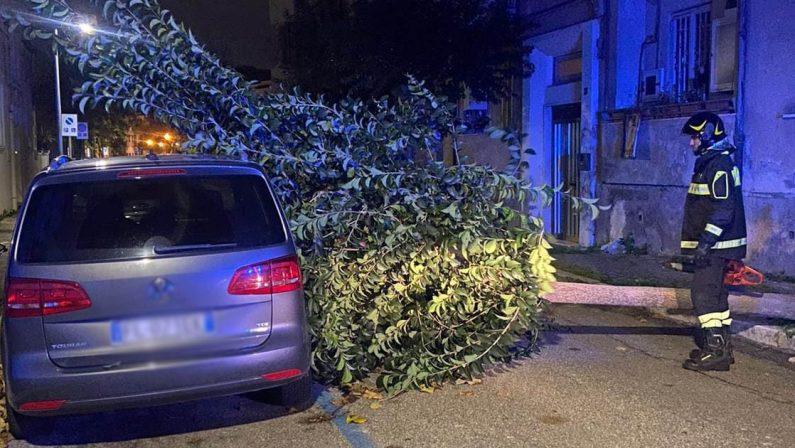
[652, 215]
[647, 193]
[484, 150]
[771, 233]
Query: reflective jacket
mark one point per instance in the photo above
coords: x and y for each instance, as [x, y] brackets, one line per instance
[714, 212]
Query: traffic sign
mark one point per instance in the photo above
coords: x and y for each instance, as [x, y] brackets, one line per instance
[69, 125]
[82, 130]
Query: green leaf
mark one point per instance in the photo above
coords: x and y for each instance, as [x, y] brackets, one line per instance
[347, 377]
[497, 134]
[83, 103]
[452, 210]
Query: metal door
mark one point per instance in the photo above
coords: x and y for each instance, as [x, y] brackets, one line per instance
[565, 152]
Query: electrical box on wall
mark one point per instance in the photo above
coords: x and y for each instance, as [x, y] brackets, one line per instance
[651, 84]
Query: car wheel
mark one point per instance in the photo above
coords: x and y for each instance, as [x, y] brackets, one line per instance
[297, 394]
[23, 426]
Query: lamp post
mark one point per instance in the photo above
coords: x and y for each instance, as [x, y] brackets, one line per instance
[58, 99]
[85, 28]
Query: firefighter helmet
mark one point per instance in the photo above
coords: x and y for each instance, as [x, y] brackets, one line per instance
[708, 127]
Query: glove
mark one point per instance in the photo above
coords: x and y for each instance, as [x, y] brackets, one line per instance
[701, 255]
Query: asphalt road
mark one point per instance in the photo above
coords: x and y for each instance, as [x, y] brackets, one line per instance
[605, 377]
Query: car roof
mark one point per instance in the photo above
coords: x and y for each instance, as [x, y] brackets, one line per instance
[152, 160]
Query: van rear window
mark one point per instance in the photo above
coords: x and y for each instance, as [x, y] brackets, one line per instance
[121, 219]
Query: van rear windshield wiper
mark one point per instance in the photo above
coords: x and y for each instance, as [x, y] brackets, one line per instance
[192, 248]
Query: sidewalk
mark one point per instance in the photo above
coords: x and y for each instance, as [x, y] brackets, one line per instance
[760, 314]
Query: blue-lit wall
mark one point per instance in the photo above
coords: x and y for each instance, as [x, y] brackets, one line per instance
[647, 192]
[769, 159]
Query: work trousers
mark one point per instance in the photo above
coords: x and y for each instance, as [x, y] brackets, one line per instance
[709, 294]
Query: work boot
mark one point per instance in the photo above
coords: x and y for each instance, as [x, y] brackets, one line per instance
[714, 356]
[701, 336]
[727, 333]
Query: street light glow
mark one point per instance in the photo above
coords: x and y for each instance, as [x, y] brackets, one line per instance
[86, 28]
[150, 142]
[168, 137]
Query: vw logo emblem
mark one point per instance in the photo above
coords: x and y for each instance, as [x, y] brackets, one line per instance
[160, 290]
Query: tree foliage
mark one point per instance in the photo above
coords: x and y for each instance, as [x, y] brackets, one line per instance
[415, 271]
[364, 48]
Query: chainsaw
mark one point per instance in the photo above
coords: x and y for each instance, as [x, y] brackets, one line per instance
[737, 273]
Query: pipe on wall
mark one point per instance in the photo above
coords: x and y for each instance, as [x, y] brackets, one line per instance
[742, 48]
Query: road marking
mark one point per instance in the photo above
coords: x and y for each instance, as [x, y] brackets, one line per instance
[352, 433]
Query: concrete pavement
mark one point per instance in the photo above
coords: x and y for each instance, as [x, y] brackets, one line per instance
[604, 377]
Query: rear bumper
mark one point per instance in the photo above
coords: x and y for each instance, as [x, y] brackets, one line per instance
[35, 378]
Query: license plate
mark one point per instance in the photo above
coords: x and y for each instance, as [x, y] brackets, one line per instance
[161, 328]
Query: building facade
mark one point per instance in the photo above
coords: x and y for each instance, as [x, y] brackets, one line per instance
[19, 160]
[614, 82]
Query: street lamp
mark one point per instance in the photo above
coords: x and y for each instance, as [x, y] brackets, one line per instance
[85, 28]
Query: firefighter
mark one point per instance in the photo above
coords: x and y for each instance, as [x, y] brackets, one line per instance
[713, 232]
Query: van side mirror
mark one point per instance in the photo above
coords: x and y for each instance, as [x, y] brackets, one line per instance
[3, 248]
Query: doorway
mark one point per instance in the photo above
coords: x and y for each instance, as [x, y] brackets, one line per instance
[565, 170]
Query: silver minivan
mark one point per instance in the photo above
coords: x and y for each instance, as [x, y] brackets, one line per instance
[150, 280]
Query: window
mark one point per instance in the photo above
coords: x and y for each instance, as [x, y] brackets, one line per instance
[568, 68]
[704, 44]
[691, 33]
[108, 220]
[724, 51]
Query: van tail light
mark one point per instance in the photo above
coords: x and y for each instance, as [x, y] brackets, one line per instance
[30, 297]
[42, 405]
[281, 374]
[268, 277]
[138, 173]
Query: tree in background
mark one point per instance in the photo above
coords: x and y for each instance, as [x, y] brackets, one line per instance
[109, 131]
[365, 48]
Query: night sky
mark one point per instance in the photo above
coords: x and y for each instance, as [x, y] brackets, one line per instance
[238, 31]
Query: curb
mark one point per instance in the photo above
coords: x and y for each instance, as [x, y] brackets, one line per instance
[768, 336]
[751, 315]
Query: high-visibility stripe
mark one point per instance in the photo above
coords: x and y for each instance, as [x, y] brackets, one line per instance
[699, 189]
[730, 244]
[713, 229]
[719, 245]
[727, 322]
[713, 320]
[699, 127]
[736, 176]
[713, 316]
[718, 176]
